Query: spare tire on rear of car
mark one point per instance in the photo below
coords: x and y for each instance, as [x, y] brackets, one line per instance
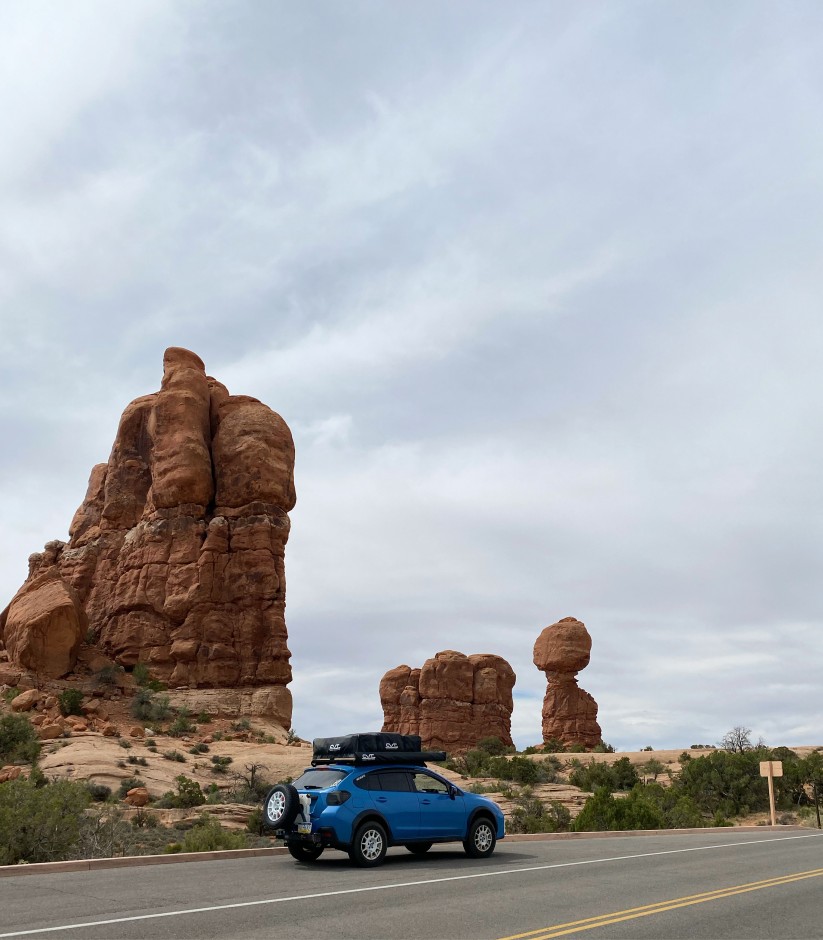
[281, 806]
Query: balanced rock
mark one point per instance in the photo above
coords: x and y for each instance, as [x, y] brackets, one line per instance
[176, 555]
[569, 712]
[453, 702]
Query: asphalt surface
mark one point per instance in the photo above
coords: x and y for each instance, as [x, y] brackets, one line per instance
[719, 883]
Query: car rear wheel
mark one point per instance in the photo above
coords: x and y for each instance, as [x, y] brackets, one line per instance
[481, 839]
[304, 852]
[419, 848]
[369, 845]
[281, 806]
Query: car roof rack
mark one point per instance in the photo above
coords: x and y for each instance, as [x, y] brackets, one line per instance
[375, 759]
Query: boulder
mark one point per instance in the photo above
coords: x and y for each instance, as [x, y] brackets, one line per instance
[48, 732]
[137, 796]
[25, 701]
[452, 702]
[9, 773]
[44, 626]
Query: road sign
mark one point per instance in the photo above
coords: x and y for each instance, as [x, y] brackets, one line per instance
[771, 768]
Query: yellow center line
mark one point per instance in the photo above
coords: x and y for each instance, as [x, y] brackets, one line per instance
[602, 920]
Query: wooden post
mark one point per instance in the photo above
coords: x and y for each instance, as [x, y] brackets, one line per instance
[771, 769]
[771, 794]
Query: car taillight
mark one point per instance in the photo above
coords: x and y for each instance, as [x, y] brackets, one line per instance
[337, 797]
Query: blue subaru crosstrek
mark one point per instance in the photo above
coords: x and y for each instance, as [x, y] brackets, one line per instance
[364, 793]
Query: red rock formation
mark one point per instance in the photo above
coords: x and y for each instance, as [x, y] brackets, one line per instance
[452, 702]
[176, 555]
[569, 712]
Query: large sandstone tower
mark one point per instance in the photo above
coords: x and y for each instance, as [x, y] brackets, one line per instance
[569, 712]
[176, 555]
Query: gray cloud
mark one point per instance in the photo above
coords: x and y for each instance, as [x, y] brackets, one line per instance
[535, 287]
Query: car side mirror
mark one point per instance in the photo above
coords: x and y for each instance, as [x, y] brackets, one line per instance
[452, 791]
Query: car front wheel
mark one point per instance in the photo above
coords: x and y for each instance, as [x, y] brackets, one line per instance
[369, 846]
[481, 839]
[303, 852]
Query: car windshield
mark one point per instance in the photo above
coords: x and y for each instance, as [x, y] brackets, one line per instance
[319, 779]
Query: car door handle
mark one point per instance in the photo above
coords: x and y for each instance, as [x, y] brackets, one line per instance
[426, 802]
[382, 799]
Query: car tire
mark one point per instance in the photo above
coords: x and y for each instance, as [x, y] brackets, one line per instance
[481, 838]
[281, 806]
[419, 848]
[369, 845]
[305, 852]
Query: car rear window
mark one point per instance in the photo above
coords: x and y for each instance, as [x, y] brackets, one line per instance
[319, 779]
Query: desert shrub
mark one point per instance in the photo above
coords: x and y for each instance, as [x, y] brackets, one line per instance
[18, 740]
[621, 775]
[199, 749]
[603, 812]
[254, 823]
[251, 786]
[189, 792]
[141, 761]
[204, 718]
[128, 784]
[554, 746]
[70, 702]
[602, 748]
[40, 824]
[124, 743]
[107, 676]
[99, 792]
[182, 724]
[174, 755]
[532, 815]
[242, 725]
[219, 764]
[494, 746]
[725, 782]
[207, 835]
[145, 819]
[148, 706]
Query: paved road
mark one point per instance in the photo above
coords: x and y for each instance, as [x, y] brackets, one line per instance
[715, 884]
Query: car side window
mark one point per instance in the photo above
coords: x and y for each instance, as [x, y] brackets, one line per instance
[368, 782]
[424, 783]
[396, 781]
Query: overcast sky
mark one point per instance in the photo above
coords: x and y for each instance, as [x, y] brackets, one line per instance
[537, 287]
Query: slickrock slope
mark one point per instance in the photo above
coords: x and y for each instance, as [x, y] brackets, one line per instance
[176, 555]
[452, 702]
[569, 712]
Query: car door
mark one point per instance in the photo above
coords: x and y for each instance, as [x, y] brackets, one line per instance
[442, 815]
[398, 801]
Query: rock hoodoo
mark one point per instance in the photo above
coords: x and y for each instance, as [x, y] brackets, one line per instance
[569, 712]
[452, 702]
[176, 555]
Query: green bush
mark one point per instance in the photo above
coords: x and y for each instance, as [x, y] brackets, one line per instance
[621, 775]
[532, 815]
[18, 740]
[98, 792]
[40, 824]
[254, 823]
[148, 706]
[219, 764]
[128, 784]
[207, 835]
[182, 724]
[725, 782]
[602, 812]
[189, 792]
[174, 755]
[70, 702]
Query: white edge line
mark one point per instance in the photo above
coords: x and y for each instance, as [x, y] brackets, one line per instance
[402, 884]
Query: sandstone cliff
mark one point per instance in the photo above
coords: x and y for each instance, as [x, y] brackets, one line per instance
[452, 702]
[176, 555]
[569, 712]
